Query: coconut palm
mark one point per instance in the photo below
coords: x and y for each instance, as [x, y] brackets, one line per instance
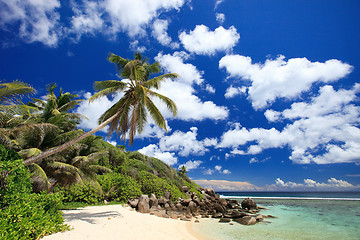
[129, 114]
[11, 93]
[10, 104]
[55, 109]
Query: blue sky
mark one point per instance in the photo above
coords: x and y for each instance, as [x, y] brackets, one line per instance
[269, 91]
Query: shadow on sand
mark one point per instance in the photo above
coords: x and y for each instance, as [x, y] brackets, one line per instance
[82, 215]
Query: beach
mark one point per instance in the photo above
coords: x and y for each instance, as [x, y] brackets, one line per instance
[112, 222]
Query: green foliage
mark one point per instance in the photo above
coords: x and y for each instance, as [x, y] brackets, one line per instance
[153, 184]
[118, 187]
[84, 193]
[24, 215]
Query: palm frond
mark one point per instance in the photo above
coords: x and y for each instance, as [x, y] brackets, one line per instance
[29, 152]
[13, 91]
[33, 135]
[118, 61]
[171, 106]
[39, 178]
[156, 82]
[108, 91]
[156, 114]
[94, 157]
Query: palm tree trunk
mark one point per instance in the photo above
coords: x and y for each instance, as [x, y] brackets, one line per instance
[39, 157]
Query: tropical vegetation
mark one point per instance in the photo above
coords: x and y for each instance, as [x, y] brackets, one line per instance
[81, 167]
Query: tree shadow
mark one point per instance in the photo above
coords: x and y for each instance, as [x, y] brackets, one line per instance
[89, 217]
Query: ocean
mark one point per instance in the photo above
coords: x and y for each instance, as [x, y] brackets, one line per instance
[299, 215]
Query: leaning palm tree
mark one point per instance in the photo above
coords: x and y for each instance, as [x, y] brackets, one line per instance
[129, 114]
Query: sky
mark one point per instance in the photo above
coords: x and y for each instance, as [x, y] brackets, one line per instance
[268, 94]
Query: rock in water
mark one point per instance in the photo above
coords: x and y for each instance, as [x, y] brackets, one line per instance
[143, 205]
[249, 204]
[247, 220]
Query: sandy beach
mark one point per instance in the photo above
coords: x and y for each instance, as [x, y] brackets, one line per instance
[112, 222]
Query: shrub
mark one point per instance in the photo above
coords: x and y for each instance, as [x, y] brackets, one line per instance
[153, 184]
[24, 215]
[83, 193]
[119, 187]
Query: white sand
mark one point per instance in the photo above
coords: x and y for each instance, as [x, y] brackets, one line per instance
[112, 222]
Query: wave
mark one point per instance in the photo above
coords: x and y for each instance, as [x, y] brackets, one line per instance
[293, 198]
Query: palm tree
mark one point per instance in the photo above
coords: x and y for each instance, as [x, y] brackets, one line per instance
[183, 170]
[129, 114]
[55, 109]
[10, 104]
[12, 92]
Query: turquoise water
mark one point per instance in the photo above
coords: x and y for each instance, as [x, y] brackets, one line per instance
[315, 217]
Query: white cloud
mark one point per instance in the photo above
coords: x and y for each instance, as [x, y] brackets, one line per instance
[159, 32]
[202, 41]
[265, 138]
[153, 151]
[113, 16]
[133, 16]
[223, 185]
[209, 88]
[218, 2]
[135, 46]
[218, 168]
[186, 143]
[281, 79]
[271, 115]
[323, 131]
[309, 184]
[181, 91]
[220, 17]
[208, 171]
[225, 171]
[38, 20]
[87, 19]
[191, 165]
[114, 143]
[233, 91]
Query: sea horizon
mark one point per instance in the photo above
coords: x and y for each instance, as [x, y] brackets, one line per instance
[327, 215]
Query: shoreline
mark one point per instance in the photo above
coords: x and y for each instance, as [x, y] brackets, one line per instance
[110, 222]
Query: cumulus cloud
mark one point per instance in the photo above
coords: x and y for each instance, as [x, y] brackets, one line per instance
[153, 151]
[186, 143]
[279, 78]
[133, 16]
[160, 33]
[38, 21]
[220, 17]
[324, 130]
[309, 184]
[218, 169]
[191, 165]
[190, 106]
[223, 185]
[203, 41]
[87, 19]
[233, 91]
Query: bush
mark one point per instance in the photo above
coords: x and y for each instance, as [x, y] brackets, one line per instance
[24, 215]
[153, 184]
[119, 187]
[83, 193]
